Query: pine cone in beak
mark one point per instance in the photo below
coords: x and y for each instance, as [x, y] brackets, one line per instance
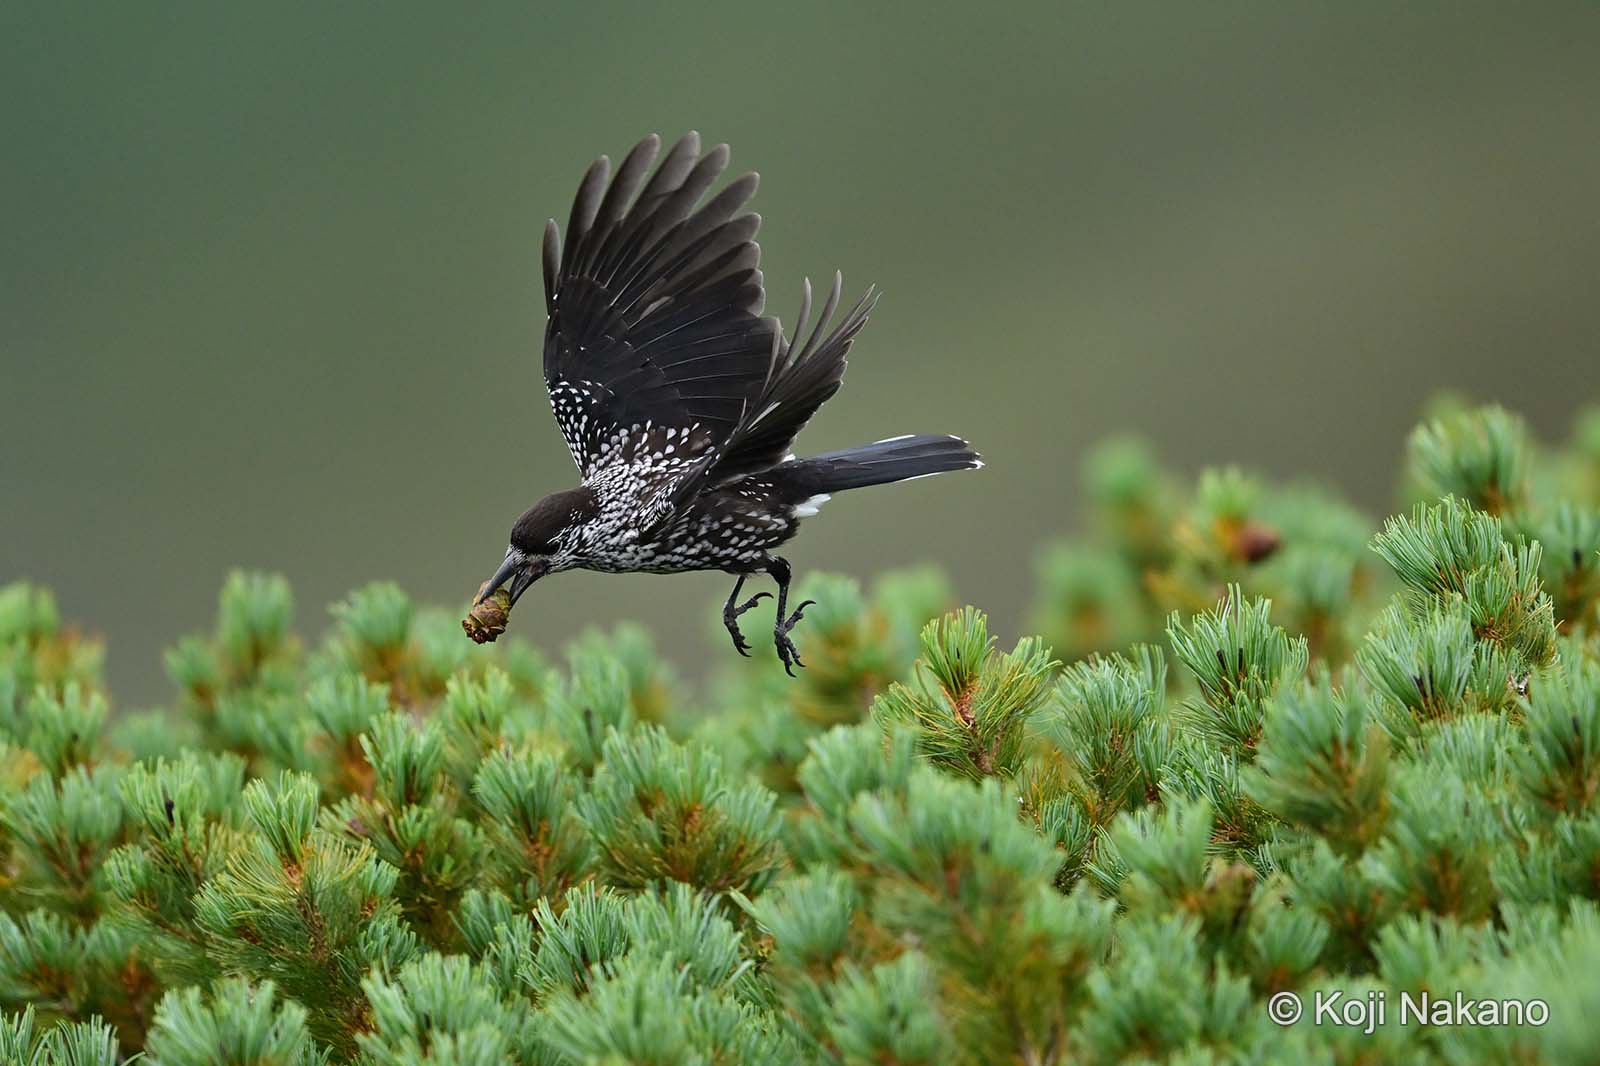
[487, 619]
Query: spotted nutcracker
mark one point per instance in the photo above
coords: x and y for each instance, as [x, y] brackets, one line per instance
[679, 400]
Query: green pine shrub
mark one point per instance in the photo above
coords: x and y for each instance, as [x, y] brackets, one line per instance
[1260, 744]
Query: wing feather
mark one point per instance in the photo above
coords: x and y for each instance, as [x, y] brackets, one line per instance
[654, 304]
[804, 375]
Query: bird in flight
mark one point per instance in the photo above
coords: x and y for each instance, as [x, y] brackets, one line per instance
[679, 400]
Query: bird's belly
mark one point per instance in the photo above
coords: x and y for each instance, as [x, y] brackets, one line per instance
[645, 562]
[697, 542]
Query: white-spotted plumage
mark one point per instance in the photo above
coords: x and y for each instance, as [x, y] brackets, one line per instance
[677, 398]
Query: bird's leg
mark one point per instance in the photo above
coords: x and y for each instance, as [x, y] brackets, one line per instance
[730, 614]
[788, 654]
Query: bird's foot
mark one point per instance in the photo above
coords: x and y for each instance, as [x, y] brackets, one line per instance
[730, 619]
[788, 654]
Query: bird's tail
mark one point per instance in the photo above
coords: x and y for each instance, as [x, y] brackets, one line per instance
[896, 459]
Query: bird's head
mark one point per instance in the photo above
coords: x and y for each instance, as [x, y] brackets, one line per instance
[542, 541]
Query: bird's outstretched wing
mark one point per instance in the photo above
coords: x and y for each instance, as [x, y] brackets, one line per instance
[807, 371]
[656, 347]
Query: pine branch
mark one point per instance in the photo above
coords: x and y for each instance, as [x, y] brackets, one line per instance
[968, 703]
[659, 811]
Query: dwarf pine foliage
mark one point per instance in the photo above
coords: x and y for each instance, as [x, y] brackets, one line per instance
[1258, 744]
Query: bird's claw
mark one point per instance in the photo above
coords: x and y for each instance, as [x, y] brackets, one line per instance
[730, 619]
[788, 654]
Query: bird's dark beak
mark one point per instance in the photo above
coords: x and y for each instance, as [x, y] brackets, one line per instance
[516, 572]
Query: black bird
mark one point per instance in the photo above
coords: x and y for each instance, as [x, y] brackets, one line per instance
[678, 399]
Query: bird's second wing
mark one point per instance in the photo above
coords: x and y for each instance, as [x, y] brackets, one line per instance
[656, 345]
[805, 374]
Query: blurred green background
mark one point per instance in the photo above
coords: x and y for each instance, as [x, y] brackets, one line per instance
[269, 279]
